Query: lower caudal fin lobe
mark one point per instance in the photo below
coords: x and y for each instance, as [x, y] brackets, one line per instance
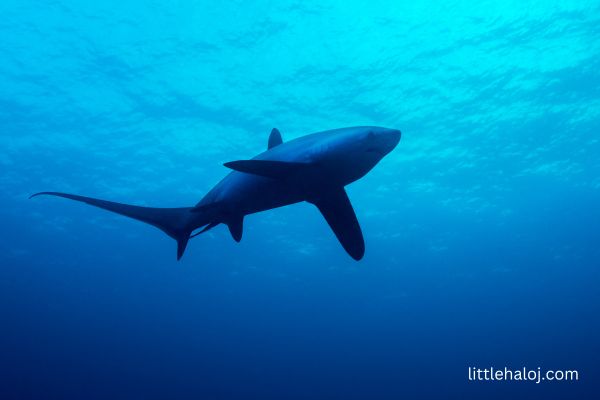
[173, 221]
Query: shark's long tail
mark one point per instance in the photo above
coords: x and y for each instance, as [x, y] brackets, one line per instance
[175, 222]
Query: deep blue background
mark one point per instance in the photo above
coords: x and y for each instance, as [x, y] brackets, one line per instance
[482, 227]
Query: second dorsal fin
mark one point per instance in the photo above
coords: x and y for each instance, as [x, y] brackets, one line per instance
[275, 138]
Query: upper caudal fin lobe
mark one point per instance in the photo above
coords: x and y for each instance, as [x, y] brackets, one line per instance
[173, 221]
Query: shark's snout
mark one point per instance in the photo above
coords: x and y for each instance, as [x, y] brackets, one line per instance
[394, 137]
[383, 140]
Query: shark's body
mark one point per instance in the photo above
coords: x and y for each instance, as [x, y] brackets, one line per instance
[313, 168]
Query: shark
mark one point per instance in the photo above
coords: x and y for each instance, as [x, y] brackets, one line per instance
[314, 168]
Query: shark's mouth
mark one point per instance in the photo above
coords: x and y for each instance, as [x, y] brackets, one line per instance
[374, 150]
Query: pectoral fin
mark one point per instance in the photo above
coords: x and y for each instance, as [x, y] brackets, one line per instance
[339, 214]
[267, 168]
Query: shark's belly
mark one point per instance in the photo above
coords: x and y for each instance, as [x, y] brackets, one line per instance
[244, 194]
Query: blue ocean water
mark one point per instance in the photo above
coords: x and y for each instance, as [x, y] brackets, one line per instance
[482, 227]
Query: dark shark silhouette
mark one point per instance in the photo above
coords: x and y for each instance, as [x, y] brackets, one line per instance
[313, 168]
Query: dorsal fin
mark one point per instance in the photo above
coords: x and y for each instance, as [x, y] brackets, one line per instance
[275, 138]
